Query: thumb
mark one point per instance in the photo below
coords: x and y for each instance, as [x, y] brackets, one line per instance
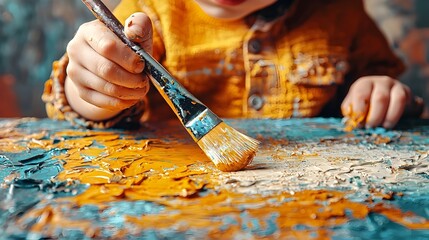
[138, 28]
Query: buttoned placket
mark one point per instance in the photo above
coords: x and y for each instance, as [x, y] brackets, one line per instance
[259, 54]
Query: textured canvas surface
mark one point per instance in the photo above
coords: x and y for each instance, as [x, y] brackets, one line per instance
[309, 180]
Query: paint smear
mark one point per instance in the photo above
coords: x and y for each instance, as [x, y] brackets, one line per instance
[310, 179]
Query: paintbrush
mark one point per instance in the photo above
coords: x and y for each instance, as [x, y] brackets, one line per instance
[226, 147]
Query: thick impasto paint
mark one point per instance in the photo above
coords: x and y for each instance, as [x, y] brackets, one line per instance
[309, 180]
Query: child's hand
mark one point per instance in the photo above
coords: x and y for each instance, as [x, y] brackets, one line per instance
[104, 76]
[377, 101]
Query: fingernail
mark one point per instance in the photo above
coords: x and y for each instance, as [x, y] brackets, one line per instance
[130, 23]
[134, 33]
[136, 38]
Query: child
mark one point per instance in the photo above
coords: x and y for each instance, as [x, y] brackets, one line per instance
[242, 58]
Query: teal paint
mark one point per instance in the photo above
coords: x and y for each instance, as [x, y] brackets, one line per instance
[37, 168]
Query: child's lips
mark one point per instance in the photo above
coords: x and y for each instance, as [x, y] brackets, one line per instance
[230, 2]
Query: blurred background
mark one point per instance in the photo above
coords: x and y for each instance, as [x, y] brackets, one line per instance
[405, 23]
[35, 33]
[32, 35]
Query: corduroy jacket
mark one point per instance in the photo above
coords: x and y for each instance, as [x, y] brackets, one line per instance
[300, 64]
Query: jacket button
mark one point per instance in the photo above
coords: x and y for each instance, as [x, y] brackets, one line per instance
[255, 45]
[255, 101]
[341, 66]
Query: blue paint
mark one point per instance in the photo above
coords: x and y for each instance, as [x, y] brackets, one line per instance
[37, 166]
[301, 227]
[271, 225]
[227, 222]
[292, 129]
[376, 227]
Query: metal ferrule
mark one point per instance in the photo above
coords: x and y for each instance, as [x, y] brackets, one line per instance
[202, 124]
[194, 115]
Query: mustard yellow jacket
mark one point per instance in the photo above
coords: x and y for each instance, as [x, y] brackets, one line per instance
[299, 65]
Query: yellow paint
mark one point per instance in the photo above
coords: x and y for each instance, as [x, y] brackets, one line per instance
[173, 174]
[353, 119]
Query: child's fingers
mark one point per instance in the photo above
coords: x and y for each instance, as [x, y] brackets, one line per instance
[104, 101]
[138, 28]
[379, 103]
[357, 100]
[98, 98]
[381, 99]
[102, 67]
[88, 80]
[399, 96]
[107, 44]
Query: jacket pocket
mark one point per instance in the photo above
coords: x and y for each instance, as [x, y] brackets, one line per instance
[319, 70]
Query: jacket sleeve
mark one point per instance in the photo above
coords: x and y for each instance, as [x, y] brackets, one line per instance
[370, 52]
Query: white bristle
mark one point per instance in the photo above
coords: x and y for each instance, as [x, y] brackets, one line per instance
[228, 149]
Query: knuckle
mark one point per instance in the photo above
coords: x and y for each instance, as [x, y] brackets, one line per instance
[105, 69]
[135, 81]
[106, 46]
[71, 70]
[112, 103]
[85, 94]
[386, 79]
[70, 48]
[111, 89]
[381, 98]
[363, 79]
[117, 104]
[345, 106]
[83, 26]
[401, 96]
[360, 96]
[81, 29]
[356, 86]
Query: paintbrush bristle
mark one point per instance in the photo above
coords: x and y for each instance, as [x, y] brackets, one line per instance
[228, 149]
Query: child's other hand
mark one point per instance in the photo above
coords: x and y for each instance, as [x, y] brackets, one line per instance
[104, 76]
[380, 100]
